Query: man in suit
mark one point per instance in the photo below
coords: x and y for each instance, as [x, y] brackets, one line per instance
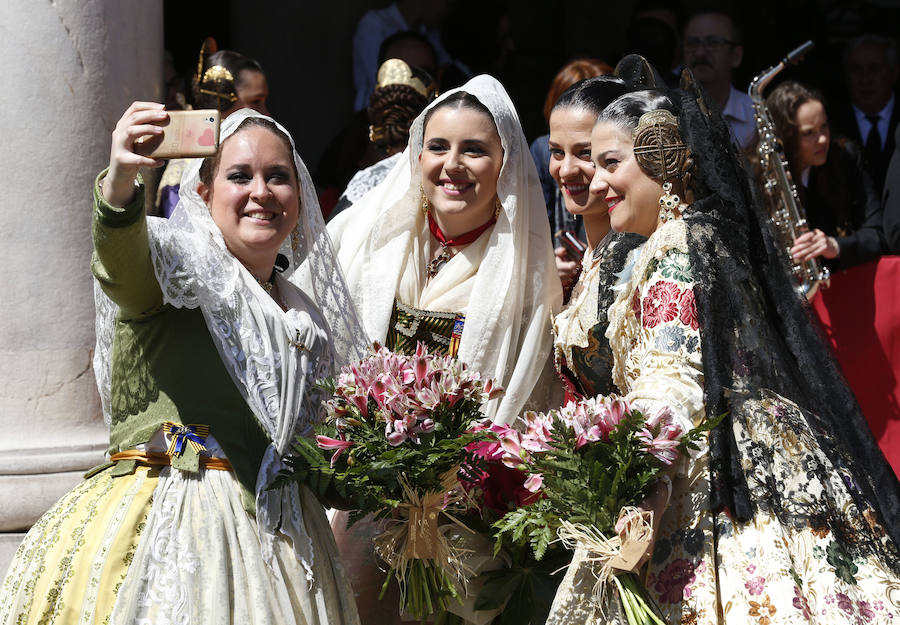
[891, 199]
[871, 69]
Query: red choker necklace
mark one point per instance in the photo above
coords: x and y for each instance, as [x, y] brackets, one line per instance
[464, 239]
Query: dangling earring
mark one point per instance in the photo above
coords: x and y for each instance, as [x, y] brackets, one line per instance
[423, 201]
[668, 202]
[498, 208]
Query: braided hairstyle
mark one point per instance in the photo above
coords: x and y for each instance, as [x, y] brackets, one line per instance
[392, 109]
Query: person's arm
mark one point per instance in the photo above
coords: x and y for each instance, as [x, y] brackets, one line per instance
[664, 367]
[121, 260]
[868, 241]
[891, 200]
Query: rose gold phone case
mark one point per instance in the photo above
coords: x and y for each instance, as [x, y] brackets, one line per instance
[186, 134]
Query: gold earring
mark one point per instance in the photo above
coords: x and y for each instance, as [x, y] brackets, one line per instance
[668, 202]
[498, 207]
[423, 201]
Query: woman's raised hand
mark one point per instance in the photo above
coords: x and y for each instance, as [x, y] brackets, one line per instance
[137, 121]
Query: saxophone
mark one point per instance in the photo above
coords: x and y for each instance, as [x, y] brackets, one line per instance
[780, 192]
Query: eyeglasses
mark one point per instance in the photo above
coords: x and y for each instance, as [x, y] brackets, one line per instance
[710, 43]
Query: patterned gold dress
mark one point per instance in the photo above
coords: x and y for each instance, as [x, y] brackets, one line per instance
[812, 553]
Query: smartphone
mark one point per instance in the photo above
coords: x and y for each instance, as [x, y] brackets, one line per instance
[574, 248]
[186, 134]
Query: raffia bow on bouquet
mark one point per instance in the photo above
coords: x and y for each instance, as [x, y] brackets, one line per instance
[592, 462]
[602, 564]
[392, 445]
[425, 563]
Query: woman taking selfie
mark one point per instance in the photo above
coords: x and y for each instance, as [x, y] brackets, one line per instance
[226, 81]
[207, 351]
[453, 249]
[788, 511]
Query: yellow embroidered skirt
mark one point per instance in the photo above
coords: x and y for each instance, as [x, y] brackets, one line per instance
[165, 546]
[73, 561]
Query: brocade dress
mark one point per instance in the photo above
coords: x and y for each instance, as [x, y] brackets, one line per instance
[133, 543]
[810, 554]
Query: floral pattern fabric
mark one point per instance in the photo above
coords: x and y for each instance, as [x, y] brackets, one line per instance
[813, 552]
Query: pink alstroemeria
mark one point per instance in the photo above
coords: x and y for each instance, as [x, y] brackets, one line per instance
[534, 482]
[492, 390]
[325, 442]
[538, 431]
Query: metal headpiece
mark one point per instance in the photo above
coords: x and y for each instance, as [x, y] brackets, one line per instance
[658, 147]
[397, 72]
[216, 81]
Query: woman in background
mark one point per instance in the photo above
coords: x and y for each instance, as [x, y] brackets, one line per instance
[226, 81]
[401, 93]
[560, 219]
[842, 206]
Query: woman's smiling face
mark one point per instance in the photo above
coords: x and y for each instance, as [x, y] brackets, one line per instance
[570, 159]
[461, 160]
[631, 195]
[254, 198]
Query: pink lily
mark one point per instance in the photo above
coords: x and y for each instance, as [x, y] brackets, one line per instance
[325, 442]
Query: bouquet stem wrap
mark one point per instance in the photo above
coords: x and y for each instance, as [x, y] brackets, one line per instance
[415, 536]
[606, 559]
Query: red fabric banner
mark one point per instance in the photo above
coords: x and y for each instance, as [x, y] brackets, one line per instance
[860, 315]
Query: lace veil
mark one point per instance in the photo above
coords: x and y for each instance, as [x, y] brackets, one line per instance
[251, 332]
[516, 289]
[756, 332]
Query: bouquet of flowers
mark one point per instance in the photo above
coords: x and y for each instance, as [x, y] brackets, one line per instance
[394, 440]
[512, 587]
[592, 462]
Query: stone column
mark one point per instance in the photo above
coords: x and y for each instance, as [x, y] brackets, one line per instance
[71, 67]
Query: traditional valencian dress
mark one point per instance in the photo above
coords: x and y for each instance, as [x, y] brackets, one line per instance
[206, 381]
[490, 304]
[813, 552]
[504, 282]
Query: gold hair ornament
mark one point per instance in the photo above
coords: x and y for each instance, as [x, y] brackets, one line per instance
[658, 147]
[661, 153]
[216, 76]
[397, 72]
[376, 133]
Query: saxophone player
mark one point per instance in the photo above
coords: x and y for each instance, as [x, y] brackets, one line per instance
[842, 207]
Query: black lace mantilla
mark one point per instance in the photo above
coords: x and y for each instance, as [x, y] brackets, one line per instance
[757, 333]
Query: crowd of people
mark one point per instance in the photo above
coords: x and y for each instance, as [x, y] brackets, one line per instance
[626, 252]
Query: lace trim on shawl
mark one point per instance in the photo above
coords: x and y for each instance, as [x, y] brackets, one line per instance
[572, 326]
